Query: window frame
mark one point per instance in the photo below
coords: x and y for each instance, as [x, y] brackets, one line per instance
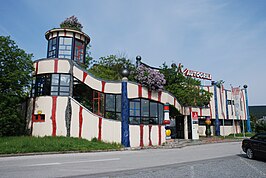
[145, 119]
[116, 112]
[81, 51]
[55, 41]
[69, 45]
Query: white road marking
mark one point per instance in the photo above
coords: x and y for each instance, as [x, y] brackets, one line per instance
[73, 162]
[44, 164]
[253, 167]
[192, 171]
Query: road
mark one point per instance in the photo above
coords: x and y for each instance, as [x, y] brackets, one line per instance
[208, 160]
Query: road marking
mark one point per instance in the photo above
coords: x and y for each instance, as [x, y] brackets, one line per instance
[73, 162]
[253, 167]
[44, 164]
[91, 161]
[192, 171]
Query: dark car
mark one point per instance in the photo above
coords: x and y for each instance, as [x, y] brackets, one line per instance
[255, 146]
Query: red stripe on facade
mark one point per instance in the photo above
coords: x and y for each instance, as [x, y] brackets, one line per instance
[150, 142]
[160, 134]
[80, 120]
[200, 112]
[55, 65]
[100, 129]
[159, 96]
[210, 104]
[84, 76]
[141, 135]
[37, 68]
[140, 90]
[54, 100]
[149, 94]
[103, 86]
[32, 114]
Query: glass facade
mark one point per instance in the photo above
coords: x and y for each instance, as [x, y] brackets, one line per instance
[79, 51]
[65, 46]
[52, 46]
[113, 106]
[144, 111]
[51, 84]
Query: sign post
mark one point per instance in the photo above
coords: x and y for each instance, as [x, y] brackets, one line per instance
[195, 125]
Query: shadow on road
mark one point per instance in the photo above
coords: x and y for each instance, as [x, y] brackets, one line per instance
[258, 159]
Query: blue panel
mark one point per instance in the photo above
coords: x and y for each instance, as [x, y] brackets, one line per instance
[125, 116]
[217, 124]
[226, 102]
[248, 116]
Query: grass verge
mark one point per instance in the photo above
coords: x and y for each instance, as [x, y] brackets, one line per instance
[239, 135]
[28, 144]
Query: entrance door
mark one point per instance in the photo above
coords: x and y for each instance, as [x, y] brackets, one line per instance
[180, 127]
[189, 127]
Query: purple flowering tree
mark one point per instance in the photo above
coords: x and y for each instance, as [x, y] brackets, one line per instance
[72, 23]
[150, 78]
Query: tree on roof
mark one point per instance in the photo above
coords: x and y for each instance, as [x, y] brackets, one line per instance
[71, 23]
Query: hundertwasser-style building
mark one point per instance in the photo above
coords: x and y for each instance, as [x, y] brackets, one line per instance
[66, 100]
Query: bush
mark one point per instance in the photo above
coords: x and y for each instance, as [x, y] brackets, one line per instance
[72, 23]
[260, 125]
[150, 78]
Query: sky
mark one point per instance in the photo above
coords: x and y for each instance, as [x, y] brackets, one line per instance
[226, 38]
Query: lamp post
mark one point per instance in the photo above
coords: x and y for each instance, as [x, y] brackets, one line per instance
[125, 139]
[248, 116]
[217, 123]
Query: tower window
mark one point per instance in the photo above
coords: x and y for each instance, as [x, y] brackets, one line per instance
[65, 46]
[79, 51]
[52, 48]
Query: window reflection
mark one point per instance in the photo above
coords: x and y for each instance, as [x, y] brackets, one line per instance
[144, 111]
[65, 45]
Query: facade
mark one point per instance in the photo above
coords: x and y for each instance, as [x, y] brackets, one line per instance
[68, 101]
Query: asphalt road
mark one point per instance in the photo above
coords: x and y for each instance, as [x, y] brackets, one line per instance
[209, 160]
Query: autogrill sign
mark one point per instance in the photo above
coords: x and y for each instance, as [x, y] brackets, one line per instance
[196, 74]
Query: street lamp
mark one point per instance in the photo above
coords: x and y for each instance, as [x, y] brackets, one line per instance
[248, 116]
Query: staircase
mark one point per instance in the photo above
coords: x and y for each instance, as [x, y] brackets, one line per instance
[179, 143]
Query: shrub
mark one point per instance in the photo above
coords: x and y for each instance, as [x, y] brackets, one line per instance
[260, 125]
[150, 78]
[72, 23]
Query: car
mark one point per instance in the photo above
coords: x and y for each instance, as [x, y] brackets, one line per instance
[255, 147]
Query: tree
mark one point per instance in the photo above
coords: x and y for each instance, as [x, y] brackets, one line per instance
[15, 69]
[110, 67]
[186, 89]
[72, 23]
[150, 78]
[260, 125]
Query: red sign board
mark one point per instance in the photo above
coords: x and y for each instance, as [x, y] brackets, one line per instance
[194, 115]
[196, 74]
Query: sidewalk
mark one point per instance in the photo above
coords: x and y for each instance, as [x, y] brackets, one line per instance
[180, 143]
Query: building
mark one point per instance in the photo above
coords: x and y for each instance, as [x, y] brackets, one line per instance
[68, 101]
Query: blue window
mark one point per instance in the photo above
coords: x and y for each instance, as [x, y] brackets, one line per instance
[65, 46]
[144, 111]
[52, 48]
